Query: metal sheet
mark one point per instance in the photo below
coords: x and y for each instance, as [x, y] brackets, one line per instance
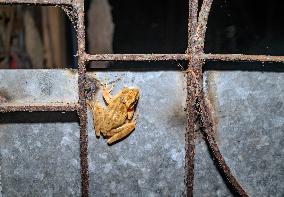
[40, 151]
[250, 115]
[38, 86]
[150, 162]
[39, 154]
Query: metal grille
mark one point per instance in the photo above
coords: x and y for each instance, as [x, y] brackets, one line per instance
[198, 112]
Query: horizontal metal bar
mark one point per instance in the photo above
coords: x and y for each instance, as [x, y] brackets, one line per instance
[166, 57]
[41, 2]
[242, 57]
[12, 107]
[135, 57]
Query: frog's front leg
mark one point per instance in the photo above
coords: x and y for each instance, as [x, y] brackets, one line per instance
[106, 95]
[120, 132]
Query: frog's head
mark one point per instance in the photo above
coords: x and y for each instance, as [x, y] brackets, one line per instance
[130, 96]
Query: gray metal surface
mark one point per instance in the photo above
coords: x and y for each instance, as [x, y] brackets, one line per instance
[39, 86]
[150, 162]
[39, 153]
[250, 111]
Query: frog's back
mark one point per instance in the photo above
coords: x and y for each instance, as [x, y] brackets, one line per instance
[115, 116]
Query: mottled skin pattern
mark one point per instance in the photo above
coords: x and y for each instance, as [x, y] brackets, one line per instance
[115, 121]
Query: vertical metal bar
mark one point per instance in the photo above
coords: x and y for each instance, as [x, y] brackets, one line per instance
[79, 7]
[190, 109]
[192, 22]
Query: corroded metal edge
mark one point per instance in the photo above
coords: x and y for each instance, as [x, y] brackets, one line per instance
[36, 107]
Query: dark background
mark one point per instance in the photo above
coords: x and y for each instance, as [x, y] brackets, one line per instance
[160, 26]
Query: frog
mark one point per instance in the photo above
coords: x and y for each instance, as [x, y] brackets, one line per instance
[116, 120]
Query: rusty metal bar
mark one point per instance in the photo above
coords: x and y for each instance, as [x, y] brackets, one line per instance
[190, 109]
[242, 57]
[192, 22]
[182, 57]
[79, 8]
[135, 57]
[38, 2]
[199, 37]
[36, 107]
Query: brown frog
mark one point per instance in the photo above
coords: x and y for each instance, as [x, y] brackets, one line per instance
[115, 121]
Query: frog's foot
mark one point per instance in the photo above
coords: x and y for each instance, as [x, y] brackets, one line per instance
[130, 113]
[106, 94]
[121, 132]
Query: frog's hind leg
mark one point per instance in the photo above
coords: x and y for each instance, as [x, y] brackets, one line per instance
[121, 132]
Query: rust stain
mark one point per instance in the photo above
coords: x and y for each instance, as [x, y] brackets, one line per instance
[3, 99]
[176, 117]
[92, 86]
[212, 102]
[71, 72]
[4, 96]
